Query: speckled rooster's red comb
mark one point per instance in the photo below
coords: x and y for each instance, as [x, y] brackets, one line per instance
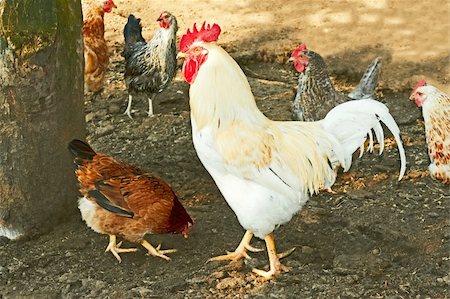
[302, 47]
[207, 33]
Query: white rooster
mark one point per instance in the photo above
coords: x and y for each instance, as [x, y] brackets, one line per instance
[436, 114]
[266, 169]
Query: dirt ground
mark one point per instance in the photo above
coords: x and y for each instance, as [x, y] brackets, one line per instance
[375, 238]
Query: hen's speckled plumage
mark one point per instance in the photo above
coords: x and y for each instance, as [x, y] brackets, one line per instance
[149, 67]
[316, 94]
[436, 114]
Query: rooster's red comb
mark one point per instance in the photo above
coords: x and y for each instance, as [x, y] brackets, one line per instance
[208, 33]
[302, 47]
[420, 84]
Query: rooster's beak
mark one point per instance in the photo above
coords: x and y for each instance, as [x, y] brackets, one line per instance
[181, 55]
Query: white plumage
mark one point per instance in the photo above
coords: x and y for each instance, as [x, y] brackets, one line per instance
[267, 169]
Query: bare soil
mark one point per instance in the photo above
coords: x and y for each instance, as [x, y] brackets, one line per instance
[374, 238]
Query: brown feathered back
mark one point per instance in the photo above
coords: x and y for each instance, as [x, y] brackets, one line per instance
[128, 202]
[96, 58]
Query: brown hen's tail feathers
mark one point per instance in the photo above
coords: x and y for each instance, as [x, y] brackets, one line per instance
[81, 150]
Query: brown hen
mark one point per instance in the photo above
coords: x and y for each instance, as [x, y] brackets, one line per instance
[122, 200]
[96, 58]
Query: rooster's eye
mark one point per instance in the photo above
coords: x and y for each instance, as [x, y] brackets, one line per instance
[197, 50]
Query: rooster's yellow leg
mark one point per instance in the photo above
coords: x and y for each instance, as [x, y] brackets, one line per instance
[328, 190]
[274, 259]
[156, 251]
[115, 248]
[241, 250]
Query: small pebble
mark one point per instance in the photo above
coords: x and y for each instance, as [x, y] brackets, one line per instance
[376, 251]
[89, 117]
[433, 214]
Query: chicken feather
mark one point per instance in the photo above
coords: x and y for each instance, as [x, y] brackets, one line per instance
[436, 114]
[122, 200]
[267, 169]
[96, 56]
[149, 67]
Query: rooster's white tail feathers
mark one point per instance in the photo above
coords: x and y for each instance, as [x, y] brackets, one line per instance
[351, 122]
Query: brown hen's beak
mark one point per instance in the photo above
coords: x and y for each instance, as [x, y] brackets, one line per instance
[187, 230]
[181, 55]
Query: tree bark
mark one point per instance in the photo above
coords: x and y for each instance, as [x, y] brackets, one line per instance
[41, 110]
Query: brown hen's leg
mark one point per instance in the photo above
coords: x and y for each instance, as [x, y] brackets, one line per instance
[241, 250]
[275, 266]
[156, 251]
[328, 190]
[115, 248]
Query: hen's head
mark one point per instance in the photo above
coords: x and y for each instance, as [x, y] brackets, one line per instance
[418, 94]
[299, 57]
[193, 48]
[107, 5]
[180, 221]
[167, 20]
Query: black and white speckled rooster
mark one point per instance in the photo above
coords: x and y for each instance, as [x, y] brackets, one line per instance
[316, 95]
[149, 67]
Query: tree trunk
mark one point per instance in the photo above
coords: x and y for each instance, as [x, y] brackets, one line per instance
[41, 110]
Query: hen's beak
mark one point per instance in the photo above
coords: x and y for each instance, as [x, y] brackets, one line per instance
[181, 55]
[290, 59]
[159, 20]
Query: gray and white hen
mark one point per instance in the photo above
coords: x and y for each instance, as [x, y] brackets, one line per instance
[316, 95]
[149, 67]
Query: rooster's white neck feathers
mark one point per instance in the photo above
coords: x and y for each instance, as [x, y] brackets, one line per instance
[221, 92]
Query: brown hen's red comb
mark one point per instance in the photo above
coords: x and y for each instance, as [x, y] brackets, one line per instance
[207, 34]
[420, 84]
